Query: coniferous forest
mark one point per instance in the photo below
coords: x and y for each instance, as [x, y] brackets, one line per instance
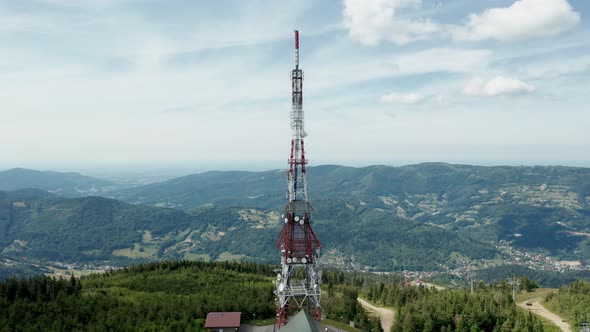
[177, 295]
[458, 310]
[489, 308]
[572, 301]
[164, 296]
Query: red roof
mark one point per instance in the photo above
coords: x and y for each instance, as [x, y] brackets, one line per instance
[222, 319]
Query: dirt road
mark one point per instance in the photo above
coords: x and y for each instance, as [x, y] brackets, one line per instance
[384, 314]
[538, 309]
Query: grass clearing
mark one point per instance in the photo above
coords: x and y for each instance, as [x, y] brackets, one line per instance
[228, 256]
[210, 235]
[138, 251]
[146, 237]
[197, 257]
[538, 293]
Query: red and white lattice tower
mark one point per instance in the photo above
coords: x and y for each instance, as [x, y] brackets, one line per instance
[297, 243]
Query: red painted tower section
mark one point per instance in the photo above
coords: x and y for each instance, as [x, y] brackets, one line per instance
[297, 242]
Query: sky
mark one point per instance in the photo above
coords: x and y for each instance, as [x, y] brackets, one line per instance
[392, 82]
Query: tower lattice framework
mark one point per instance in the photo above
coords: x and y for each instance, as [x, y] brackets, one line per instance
[298, 282]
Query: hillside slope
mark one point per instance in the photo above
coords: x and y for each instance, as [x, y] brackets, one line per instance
[68, 184]
[106, 231]
[163, 296]
[536, 208]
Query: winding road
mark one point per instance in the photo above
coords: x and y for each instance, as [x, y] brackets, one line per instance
[384, 314]
[538, 309]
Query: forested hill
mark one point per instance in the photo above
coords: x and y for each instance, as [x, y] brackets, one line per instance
[104, 231]
[177, 295]
[572, 301]
[419, 217]
[541, 208]
[452, 186]
[68, 184]
[165, 296]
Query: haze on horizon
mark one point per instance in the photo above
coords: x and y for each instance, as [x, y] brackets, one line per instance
[124, 82]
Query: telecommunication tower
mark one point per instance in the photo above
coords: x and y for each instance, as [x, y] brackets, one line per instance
[298, 282]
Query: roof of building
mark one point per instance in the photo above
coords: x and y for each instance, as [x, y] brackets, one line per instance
[223, 319]
[302, 322]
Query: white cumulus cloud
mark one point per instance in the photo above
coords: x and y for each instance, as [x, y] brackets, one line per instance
[497, 86]
[524, 19]
[402, 98]
[370, 21]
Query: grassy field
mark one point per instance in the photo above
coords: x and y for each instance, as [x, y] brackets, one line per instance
[138, 251]
[228, 256]
[146, 237]
[537, 293]
[197, 257]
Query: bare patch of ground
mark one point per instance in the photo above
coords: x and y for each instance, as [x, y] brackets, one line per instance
[535, 306]
[385, 314]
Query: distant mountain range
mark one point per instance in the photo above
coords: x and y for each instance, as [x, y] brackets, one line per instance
[416, 217]
[68, 184]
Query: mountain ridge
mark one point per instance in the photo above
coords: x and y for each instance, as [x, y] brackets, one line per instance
[63, 183]
[384, 218]
[105, 231]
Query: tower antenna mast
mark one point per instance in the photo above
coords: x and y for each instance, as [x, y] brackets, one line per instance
[297, 242]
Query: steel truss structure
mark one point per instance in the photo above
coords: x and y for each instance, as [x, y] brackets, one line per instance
[298, 281]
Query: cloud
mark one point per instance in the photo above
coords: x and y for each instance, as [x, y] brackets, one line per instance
[497, 86]
[372, 21]
[524, 19]
[402, 98]
[412, 98]
[441, 60]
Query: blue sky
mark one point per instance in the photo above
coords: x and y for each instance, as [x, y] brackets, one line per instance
[207, 82]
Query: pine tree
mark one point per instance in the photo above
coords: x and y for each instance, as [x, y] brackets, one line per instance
[428, 325]
[408, 323]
